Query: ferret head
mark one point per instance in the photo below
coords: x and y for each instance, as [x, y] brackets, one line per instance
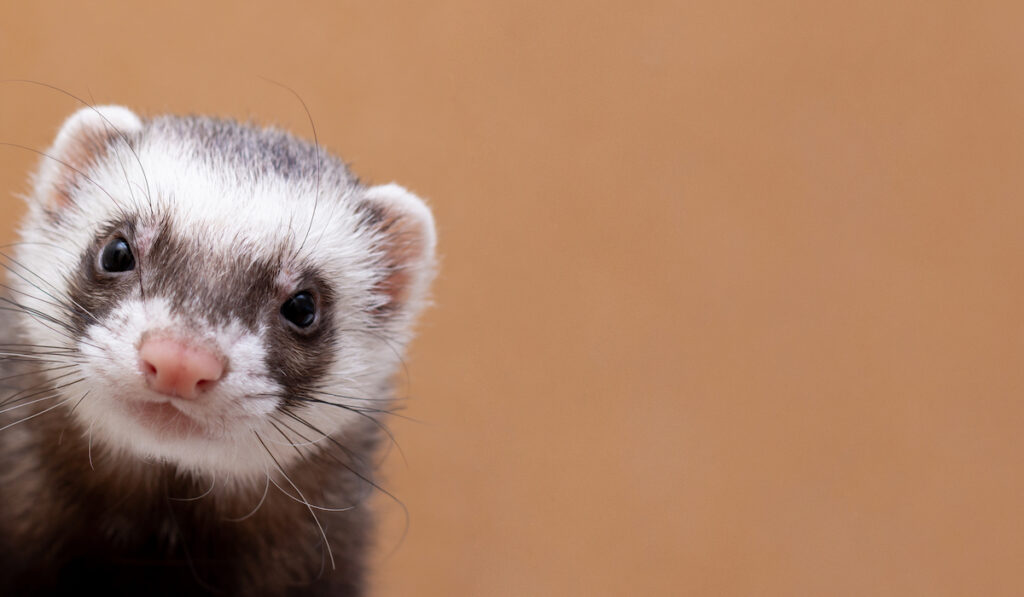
[223, 292]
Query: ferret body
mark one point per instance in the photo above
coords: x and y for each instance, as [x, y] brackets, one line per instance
[201, 325]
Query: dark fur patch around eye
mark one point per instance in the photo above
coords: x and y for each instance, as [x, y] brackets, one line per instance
[93, 293]
[298, 361]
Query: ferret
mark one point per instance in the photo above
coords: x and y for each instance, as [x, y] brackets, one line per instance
[200, 327]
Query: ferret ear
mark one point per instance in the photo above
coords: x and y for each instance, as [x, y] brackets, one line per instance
[407, 239]
[84, 138]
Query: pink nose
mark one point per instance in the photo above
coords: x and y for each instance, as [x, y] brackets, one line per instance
[175, 368]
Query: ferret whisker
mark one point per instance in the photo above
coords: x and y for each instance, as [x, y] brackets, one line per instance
[365, 408]
[38, 350]
[305, 441]
[14, 397]
[36, 392]
[54, 357]
[37, 354]
[330, 218]
[36, 371]
[351, 455]
[90, 448]
[367, 414]
[43, 361]
[19, 310]
[76, 170]
[303, 500]
[42, 412]
[92, 107]
[62, 358]
[390, 343]
[352, 407]
[362, 412]
[38, 359]
[148, 198]
[323, 565]
[288, 442]
[35, 312]
[36, 298]
[319, 390]
[10, 260]
[316, 150]
[71, 412]
[323, 534]
[33, 345]
[32, 358]
[42, 318]
[30, 402]
[124, 171]
[392, 440]
[266, 488]
[198, 497]
[369, 482]
[38, 243]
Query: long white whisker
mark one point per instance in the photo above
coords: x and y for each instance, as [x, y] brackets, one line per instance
[266, 488]
[23, 404]
[198, 497]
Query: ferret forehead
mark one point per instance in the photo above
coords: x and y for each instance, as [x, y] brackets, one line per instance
[245, 151]
[211, 182]
[205, 193]
[236, 182]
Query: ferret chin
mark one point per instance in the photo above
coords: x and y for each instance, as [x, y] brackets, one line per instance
[199, 333]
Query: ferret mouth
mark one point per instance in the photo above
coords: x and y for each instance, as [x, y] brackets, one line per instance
[165, 419]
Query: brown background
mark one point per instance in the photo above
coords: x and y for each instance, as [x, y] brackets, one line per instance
[731, 294]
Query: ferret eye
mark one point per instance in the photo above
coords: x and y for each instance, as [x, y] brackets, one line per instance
[117, 256]
[300, 309]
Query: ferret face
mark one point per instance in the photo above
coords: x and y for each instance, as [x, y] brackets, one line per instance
[228, 294]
